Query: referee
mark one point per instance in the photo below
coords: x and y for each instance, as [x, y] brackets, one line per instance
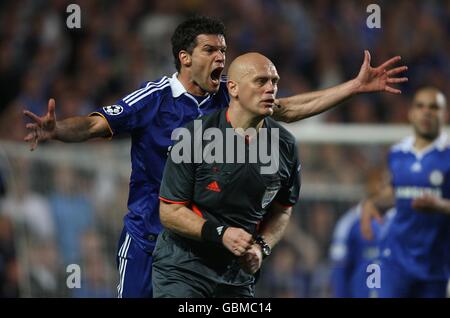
[222, 218]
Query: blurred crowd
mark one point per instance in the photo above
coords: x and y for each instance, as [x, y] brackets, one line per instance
[314, 44]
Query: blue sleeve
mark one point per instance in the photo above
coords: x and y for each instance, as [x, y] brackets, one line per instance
[341, 254]
[133, 111]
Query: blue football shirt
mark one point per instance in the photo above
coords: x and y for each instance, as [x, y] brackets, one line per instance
[351, 253]
[149, 115]
[419, 242]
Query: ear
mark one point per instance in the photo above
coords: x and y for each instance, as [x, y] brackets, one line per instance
[233, 88]
[185, 58]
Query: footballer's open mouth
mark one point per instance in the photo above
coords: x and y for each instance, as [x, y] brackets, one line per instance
[215, 75]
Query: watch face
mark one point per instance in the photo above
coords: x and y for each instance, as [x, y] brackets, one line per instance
[266, 250]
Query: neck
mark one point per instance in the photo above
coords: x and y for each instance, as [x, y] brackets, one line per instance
[421, 143]
[240, 118]
[185, 78]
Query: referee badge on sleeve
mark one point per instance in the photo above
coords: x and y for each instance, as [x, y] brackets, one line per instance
[113, 110]
[269, 195]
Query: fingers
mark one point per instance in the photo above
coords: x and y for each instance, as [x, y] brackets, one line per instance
[366, 229]
[31, 126]
[33, 135]
[397, 70]
[397, 80]
[51, 108]
[378, 217]
[417, 204]
[250, 261]
[392, 90]
[239, 250]
[390, 62]
[367, 58]
[426, 203]
[366, 220]
[34, 144]
[33, 138]
[237, 240]
[33, 117]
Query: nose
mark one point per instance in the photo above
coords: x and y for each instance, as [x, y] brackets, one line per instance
[428, 111]
[270, 87]
[220, 56]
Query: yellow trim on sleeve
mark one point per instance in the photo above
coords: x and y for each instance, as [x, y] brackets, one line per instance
[109, 127]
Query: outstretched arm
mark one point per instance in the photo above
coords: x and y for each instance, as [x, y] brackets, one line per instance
[73, 129]
[369, 79]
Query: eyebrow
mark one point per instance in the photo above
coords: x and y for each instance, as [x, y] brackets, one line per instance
[214, 46]
[258, 77]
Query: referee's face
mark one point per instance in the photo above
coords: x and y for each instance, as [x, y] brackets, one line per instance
[208, 62]
[258, 88]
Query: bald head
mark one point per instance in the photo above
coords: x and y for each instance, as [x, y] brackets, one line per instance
[252, 84]
[247, 64]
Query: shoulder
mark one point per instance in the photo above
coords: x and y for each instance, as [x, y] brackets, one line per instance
[443, 143]
[339, 250]
[404, 145]
[347, 223]
[286, 137]
[222, 93]
[148, 91]
[206, 121]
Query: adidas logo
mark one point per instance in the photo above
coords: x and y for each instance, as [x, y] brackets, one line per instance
[214, 186]
[219, 230]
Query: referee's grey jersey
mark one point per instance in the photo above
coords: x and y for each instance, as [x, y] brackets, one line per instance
[234, 194]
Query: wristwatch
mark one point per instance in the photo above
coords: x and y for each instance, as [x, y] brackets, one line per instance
[265, 248]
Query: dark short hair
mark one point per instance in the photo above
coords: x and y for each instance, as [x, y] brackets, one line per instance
[185, 35]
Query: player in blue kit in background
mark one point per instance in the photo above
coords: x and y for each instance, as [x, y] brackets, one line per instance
[416, 254]
[351, 253]
[151, 113]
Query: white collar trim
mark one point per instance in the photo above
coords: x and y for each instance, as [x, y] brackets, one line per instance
[440, 144]
[176, 86]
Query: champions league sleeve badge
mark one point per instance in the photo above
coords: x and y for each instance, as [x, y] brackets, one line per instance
[113, 110]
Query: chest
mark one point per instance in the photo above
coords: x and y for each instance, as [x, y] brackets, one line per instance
[172, 114]
[238, 185]
[431, 170]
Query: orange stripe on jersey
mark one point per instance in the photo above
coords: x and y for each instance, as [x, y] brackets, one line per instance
[173, 202]
[284, 205]
[197, 210]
